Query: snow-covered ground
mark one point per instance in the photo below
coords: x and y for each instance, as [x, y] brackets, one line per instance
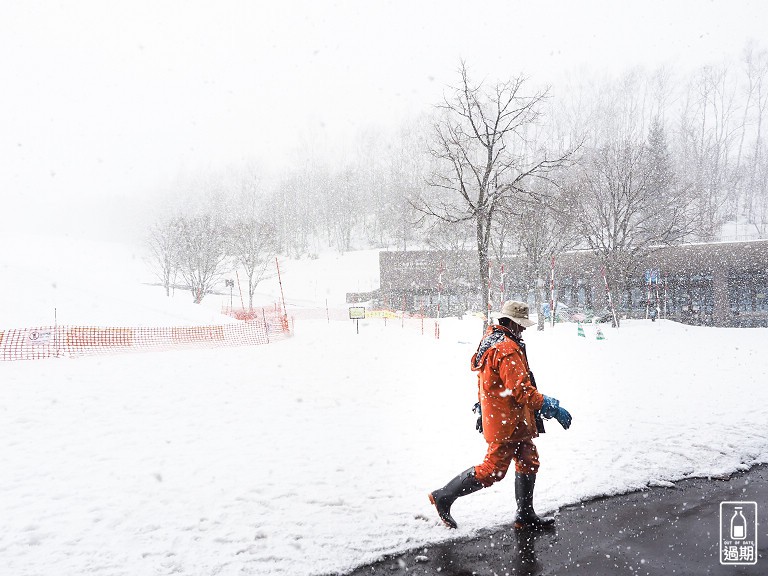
[312, 455]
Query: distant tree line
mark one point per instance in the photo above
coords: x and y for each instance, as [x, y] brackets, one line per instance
[617, 165]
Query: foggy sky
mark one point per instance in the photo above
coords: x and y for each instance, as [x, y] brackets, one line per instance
[104, 104]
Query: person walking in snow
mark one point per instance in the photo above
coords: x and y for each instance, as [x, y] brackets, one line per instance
[511, 409]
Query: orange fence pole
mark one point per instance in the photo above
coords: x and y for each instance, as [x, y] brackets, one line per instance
[280, 281]
[242, 304]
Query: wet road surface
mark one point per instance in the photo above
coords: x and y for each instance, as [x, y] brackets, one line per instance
[655, 532]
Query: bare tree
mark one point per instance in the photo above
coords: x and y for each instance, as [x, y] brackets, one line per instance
[627, 201]
[708, 133]
[372, 148]
[290, 216]
[759, 208]
[484, 157]
[202, 253]
[344, 208]
[252, 244]
[163, 242]
[407, 173]
[541, 230]
[756, 92]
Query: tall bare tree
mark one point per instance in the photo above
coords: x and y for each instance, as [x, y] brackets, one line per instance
[708, 134]
[344, 207]
[202, 253]
[484, 156]
[163, 242]
[540, 230]
[627, 201]
[756, 161]
[252, 244]
[407, 172]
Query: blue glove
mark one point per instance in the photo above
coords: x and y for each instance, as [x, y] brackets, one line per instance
[550, 408]
[479, 423]
[564, 418]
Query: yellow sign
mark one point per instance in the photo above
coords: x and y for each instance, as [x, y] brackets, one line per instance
[382, 314]
[356, 312]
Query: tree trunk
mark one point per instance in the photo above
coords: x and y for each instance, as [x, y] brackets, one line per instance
[538, 293]
[484, 265]
[610, 299]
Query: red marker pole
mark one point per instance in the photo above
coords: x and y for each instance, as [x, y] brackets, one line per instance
[552, 292]
[280, 281]
[488, 312]
[439, 298]
[501, 287]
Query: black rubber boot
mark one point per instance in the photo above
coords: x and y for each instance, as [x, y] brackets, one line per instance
[526, 518]
[465, 483]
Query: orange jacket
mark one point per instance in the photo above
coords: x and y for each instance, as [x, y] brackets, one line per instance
[507, 398]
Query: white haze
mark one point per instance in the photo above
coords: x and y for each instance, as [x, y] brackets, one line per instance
[105, 104]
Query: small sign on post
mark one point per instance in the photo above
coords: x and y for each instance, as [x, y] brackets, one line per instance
[231, 285]
[357, 313]
[39, 337]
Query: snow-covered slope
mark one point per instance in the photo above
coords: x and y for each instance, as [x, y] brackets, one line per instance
[85, 283]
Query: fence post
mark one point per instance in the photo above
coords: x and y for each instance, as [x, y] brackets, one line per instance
[280, 281]
[55, 333]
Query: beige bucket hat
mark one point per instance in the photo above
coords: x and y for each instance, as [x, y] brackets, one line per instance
[517, 312]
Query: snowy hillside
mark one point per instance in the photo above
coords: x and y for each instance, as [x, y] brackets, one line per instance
[90, 283]
[314, 454]
[86, 283]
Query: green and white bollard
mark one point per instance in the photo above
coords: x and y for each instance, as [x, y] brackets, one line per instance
[600, 335]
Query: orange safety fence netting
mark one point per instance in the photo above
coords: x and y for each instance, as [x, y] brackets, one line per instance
[394, 318]
[73, 341]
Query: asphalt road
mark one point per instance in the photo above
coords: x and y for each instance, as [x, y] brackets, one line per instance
[655, 532]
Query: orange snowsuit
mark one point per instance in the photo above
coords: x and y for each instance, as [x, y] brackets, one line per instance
[508, 400]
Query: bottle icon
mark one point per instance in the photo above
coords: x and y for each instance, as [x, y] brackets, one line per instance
[738, 525]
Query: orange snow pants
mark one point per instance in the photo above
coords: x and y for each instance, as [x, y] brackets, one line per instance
[500, 456]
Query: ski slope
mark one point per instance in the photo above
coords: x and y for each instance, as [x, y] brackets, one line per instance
[315, 454]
